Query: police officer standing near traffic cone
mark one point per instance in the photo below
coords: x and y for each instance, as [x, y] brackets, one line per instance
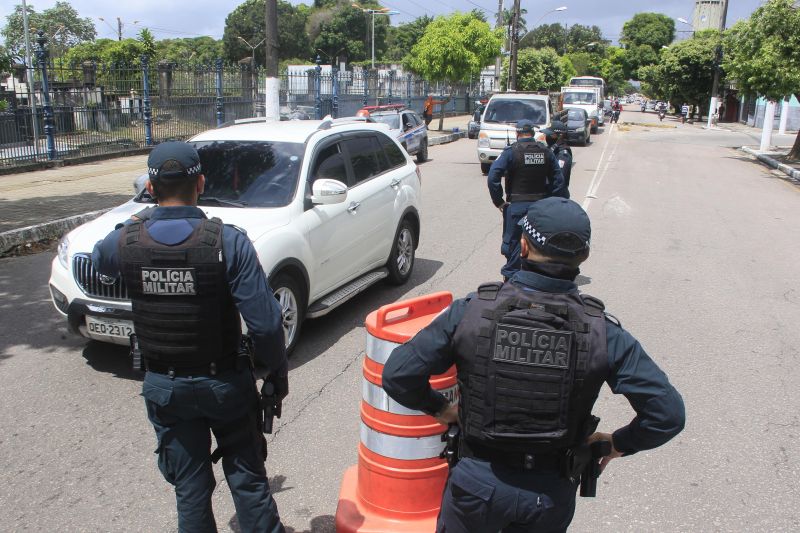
[531, 356]
[189, 278]
[532, 173]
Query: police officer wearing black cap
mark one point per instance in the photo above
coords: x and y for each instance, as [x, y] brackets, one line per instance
[189, 279]
[554, 138]
[532, 355]
[532, 173]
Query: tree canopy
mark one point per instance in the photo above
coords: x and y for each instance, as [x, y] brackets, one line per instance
[576, 38]
[455, 47]
[61, 24]
[402, 38]
[538, 70]
[248, 22]
[653, 29]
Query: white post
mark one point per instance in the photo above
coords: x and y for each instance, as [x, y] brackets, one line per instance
[769, 122]
[712, 108]
[784, 116]
[272, 107]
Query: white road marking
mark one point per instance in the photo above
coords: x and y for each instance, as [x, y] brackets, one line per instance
[598, 176]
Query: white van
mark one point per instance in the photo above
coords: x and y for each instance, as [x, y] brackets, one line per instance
[498, 124]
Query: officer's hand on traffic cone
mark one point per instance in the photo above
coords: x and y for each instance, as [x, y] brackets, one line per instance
[594, 437]
[449, 415]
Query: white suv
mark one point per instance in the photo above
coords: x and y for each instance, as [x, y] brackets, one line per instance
[331, 207]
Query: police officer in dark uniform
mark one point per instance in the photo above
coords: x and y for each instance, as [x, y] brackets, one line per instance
[532, 355]
[532, 173]
[189, 278]
[554, 137]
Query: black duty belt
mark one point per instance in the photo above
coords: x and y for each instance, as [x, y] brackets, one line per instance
[519, 460]
[211, 369]
[519, 197]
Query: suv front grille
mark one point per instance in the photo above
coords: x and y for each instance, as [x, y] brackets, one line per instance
[89, 280]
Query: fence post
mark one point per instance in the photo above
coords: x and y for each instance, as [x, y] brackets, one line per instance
[408, 90]
[391, 82]
[318, 89]
[49, 126]
[365, 77]
[335, 81]
[148, 110]
[220, 105]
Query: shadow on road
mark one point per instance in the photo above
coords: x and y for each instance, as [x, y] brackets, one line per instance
[30, 211]
[111, 359]
[321, 333]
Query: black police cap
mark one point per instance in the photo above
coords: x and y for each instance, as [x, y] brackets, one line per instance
[525, 126]
[557, 227]
[184, 158]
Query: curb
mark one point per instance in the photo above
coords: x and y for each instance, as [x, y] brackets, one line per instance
[447, 138]
[648, 124]
[48, 230]
[772, 162]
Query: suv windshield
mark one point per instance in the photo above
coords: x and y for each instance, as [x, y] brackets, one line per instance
[250, 173]
[581, 98]
[510, 111]
[392, 120]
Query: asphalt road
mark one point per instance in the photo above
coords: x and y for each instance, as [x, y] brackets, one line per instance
[694, 249]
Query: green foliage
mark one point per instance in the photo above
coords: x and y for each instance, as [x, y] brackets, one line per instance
[145, 37]
[545, 36]
[455, 47]
[685, 70]
[763, 53]
[585, 63]
[402, 38]
[347, 32]
[637, 56]
[568, 69]
[3, 106]
[653, 29]
[537, 70]
[190, 51]
[61, 24]
[248, 22]
[577, 38]
[581, 37]
[5, 60]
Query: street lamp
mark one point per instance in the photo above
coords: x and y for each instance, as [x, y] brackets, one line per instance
[252, 64]
[382, 11]
[562, 8]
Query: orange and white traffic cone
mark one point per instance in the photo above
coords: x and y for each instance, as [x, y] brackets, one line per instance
[398, 482]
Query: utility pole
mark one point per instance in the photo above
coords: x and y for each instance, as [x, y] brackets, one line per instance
[498, 62]
[512, 67]
[119, 29]
[712, 108]
[273, 83]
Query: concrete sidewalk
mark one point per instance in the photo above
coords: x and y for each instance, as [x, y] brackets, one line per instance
[45, 204]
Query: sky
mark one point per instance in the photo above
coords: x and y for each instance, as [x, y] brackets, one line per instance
[190, 18]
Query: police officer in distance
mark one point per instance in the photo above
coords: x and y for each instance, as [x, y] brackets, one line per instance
[189, 279]
[531, 355]
[532, 173]
[554, 138]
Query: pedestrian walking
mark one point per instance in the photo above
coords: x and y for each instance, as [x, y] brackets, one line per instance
[684, 112]
[427, 110]
[532, 355]
[531, 173]
[189, 279]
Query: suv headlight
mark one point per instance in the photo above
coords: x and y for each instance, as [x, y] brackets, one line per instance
[483, 140]
[63, 252]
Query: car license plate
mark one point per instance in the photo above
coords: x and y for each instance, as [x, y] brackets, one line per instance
[109, 328]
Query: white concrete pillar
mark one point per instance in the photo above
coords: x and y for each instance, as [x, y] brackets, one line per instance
[712, 108]
[272, 109]
[769, 122]
[784, 116]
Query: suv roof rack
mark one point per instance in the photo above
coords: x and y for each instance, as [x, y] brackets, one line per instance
[328, 122]
[250, 120]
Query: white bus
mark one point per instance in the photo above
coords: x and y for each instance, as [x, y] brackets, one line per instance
[590, 81]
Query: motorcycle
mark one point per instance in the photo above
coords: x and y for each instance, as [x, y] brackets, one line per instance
[661, 114]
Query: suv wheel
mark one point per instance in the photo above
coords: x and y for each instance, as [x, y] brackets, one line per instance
[290, 297]
[422, 153]
[401, 260]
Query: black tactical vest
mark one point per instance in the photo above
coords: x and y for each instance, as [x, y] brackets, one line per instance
[527, 176]
[183, 311]
[531, 365]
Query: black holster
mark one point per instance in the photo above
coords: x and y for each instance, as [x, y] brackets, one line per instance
[451, 439]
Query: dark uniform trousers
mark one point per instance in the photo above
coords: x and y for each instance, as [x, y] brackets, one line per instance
[512, 235]
[184, 411]
[481, 497]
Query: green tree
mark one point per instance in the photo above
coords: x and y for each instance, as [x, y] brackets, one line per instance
[190, 51]
[763, 54]
[402, 38]
[637, 56]
[455, 47]
[653, 29]
[347, 31]
[580, 37]
[61, 24]
[537, 70]
[586, 63]
[685, 71]
[568, 69]
[248, 22]
[545, 36]
[5, 60]
[145, 37]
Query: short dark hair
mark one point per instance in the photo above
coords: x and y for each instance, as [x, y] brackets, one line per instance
[563, 240]
[179, 189]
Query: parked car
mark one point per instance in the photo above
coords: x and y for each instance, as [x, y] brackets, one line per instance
[578, 126]
[498, 127]
[331, 207]
[405, 125]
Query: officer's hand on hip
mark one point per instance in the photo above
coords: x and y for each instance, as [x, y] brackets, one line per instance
[594, 437]
[502, 207]
[449, 415]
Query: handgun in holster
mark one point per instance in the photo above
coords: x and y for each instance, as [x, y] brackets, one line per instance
[451, 440]
[271, 406]
[137, 361]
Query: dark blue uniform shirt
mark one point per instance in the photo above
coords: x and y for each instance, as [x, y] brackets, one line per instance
[503, 163]
[659, 407]
[248, 284]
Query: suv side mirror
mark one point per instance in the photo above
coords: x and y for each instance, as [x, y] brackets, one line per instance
[327, 191]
